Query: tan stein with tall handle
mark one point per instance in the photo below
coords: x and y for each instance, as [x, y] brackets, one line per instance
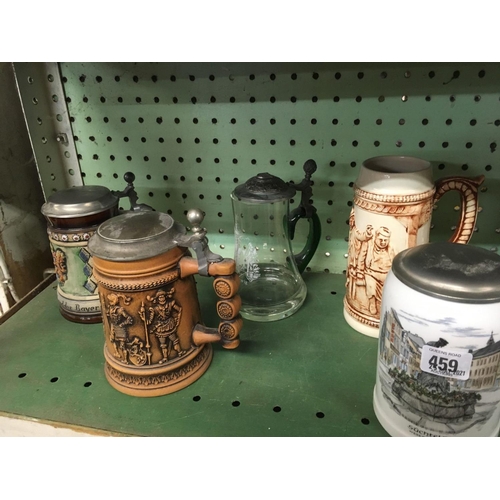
[155, 340]
[393, 202]
[73, 215]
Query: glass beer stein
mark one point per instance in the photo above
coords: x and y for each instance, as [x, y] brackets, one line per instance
[272, 287]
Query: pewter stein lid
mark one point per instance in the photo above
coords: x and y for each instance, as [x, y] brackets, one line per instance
[79, 201]
[136, 235]
[450, 271]
[263, 188]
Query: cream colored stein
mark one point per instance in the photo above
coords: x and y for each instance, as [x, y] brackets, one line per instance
[393, 201]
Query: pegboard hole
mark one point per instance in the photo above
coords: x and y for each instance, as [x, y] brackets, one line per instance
[402, 121]
[54, 379]
[22, 375]
[425, 121]
[427, 98]
[481, 73]
[196, 398]
[277, 409]
[87, 384]
[473, 122]
[34, 100]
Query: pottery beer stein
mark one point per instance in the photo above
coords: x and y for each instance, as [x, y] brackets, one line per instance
[73, 216]
[155, 340]
[438, 365]
[393, 202]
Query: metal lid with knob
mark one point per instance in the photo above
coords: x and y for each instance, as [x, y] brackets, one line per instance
[140, 235]
[81, 201]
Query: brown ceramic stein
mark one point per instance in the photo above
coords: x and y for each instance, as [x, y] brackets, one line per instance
[73, 215]
[155, 341]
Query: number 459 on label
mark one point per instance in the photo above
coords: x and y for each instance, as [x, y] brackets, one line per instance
[452, 363]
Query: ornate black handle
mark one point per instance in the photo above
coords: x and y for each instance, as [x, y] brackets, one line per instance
[131, 194]
[306, 210]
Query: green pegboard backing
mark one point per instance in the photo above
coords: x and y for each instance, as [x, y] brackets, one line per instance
[192, 131]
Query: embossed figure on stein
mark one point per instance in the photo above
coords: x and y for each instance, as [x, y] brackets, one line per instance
[370, 260]
[60, 266]
[163, 319]
[119, 320]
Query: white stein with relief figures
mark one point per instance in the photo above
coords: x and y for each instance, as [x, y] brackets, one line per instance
[393, 201]
[438, 359]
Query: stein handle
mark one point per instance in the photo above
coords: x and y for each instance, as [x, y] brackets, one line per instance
[131, 194]
[313, 237]
[306, 211]
[226, 284]
[468, 189]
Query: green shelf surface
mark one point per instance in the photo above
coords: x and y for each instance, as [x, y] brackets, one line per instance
[307, 375]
